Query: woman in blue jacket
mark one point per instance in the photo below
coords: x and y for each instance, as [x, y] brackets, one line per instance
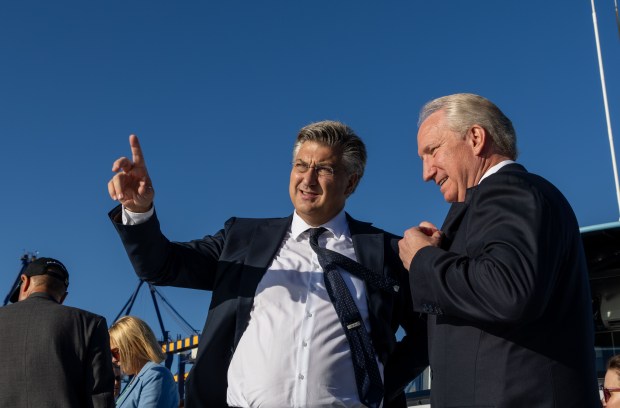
[138, 353]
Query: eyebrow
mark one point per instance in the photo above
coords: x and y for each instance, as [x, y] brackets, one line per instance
[428, 148]
[324, 164]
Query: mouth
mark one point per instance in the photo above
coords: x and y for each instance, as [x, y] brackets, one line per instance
[308, 194]
[443, 180]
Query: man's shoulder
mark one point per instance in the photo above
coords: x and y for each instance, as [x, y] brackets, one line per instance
[58, 309]
[51, 313]
[81, 312]
[251, 222]
[516, 174]
[365, 227]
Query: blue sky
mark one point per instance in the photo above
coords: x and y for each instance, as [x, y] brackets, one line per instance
[217, 91]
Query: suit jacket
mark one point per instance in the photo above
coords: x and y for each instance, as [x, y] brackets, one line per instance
[54, 356]
[508, 298]
[231, 264]
[152, 387]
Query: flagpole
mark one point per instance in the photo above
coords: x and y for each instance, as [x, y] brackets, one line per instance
[617, 16]
[609, 133]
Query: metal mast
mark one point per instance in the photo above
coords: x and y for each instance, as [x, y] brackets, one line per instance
[609, 133]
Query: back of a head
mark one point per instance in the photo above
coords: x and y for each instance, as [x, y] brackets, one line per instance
[136, 343]
[49, 284]
[464, 110]
[46, 275]
[339, 137]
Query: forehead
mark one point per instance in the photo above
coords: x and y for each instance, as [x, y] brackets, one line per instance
[431, 132]
[315, 152]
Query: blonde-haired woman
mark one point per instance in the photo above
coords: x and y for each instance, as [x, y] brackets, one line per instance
[138, 353]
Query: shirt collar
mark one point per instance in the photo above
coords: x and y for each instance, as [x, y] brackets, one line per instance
[495, 169]
[337, 225]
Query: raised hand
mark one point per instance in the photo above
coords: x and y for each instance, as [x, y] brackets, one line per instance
[131, 185]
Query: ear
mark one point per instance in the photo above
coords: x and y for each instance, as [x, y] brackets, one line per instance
[353, 179]
[26, 281]
[478, 139]
[24, 286]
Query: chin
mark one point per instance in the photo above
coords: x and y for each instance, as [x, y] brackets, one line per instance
[450, 198]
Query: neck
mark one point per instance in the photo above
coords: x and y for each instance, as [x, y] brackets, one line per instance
[487, 163]
[139, 367]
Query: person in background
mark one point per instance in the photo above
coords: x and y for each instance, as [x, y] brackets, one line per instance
[305, 308]
[611, 386]
[505, 281]
[53, 355]
[137, 352]
[117, 380]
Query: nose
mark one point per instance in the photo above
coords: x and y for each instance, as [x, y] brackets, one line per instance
[428, 169]
[310, 177]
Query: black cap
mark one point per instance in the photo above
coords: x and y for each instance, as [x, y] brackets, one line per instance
[43, 266]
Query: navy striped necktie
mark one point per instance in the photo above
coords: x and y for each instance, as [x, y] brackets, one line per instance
[367, 376]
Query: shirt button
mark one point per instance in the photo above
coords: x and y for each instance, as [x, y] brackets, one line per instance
[304, 344]
[309, 314]
[301, 376]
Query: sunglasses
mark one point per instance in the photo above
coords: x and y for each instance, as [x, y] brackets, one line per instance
[607, 392]
[115, 353]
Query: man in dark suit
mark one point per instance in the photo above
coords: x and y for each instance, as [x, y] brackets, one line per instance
[504, 282]
[272, 337]
[53, 355]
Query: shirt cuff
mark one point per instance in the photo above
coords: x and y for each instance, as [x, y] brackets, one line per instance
[133, 218]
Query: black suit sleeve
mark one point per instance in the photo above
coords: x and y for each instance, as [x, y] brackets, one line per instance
[161, 262]
[501, 267]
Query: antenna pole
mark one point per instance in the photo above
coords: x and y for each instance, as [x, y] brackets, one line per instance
[611, 139]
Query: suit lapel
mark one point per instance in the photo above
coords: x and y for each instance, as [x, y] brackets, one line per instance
[368, 247]
[454, 217]
[457, 210]
[132, 384]
[266, 240]
[369, 244]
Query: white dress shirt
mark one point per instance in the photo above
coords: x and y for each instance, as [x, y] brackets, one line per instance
[294, 352]
[495, 169]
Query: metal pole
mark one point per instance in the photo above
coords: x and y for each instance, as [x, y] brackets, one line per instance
[609, 133]
[25, 261]
[130, 302]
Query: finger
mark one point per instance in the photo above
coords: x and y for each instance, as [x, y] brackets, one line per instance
[136, 151]
[123, 163]
[409, 231]
[118, 185]
[427, 231]
[111, 190]
[428, 225]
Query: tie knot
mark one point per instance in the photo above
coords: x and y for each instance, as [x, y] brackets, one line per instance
[315, 233]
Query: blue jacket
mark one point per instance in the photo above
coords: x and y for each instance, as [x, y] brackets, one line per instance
[153, 387]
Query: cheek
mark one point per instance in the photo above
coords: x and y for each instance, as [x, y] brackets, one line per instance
[336, 192]
[293, 182]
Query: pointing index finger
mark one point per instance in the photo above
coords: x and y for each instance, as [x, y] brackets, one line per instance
[136, 151]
